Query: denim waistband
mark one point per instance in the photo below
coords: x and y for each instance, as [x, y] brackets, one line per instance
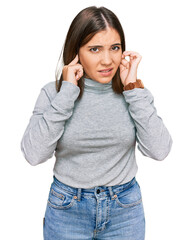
[102, 190]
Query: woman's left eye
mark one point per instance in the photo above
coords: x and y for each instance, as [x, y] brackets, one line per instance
[96, 49]
[114, 48]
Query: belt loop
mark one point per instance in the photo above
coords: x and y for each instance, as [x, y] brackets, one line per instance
[113, 196]
[79, 194]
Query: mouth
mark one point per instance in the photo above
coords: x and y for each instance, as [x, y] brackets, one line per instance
[106, 70]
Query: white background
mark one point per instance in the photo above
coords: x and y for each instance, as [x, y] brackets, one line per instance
[32, 35]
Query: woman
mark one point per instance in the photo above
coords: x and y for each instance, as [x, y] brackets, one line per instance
[92, 119]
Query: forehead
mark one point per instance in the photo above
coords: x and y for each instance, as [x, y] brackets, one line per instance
[106, 37]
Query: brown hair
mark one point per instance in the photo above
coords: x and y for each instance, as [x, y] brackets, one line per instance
[85, 25]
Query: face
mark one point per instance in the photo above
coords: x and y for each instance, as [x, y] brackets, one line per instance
[101, 56]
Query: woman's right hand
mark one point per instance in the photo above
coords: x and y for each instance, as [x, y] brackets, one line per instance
[73, 71]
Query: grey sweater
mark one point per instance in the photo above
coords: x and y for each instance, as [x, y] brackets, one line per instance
[94, 138]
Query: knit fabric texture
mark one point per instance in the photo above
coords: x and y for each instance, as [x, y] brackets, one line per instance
[94, 138]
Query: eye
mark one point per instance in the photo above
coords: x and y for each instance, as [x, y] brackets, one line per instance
[116, 48]
[94, 49]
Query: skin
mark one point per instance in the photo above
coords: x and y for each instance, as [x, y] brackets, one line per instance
[109, 55]
[94, 58]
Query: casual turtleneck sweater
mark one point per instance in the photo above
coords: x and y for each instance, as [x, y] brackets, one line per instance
[94, 138]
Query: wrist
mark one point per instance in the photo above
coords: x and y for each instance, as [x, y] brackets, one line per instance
[131, 85]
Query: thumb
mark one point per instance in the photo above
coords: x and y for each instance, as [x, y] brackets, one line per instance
[125, 63]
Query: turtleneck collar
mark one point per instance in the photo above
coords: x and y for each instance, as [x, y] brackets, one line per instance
[94, 86]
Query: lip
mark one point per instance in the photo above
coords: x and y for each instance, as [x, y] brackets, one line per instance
[106, 74]
[106, 69]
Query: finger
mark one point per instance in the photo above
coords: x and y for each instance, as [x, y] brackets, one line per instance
[76, 68]
[74, 61]
[122, 67]
[79, 74]
[130, 53]
[125, 63]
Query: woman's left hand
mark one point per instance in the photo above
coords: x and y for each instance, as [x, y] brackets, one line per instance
[128, 69]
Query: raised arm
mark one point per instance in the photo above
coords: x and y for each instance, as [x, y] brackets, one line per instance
[47, 123]
[153, 138]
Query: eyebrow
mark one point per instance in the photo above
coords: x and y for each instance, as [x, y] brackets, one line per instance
[102, 46]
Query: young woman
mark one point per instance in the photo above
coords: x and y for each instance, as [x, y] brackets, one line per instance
[92, 118]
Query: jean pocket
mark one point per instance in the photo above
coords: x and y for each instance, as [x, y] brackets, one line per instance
[129, 197]
[59, 198]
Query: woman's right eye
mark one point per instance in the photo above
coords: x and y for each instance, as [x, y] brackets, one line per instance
[94, 49]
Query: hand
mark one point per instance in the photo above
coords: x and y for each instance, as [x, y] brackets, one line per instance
[128, 70]
[73, 71]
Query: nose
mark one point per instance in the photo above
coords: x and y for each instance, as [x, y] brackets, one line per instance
[106, 58]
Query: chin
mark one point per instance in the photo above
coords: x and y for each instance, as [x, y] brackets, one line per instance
[101, 79]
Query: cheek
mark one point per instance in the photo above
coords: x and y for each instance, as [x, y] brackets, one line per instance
[87, 66]
[88, 63]
[118, 59]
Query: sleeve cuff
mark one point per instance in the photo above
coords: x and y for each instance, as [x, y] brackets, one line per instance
[137, 94]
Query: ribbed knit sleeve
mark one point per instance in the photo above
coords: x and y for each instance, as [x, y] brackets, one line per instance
[152, 136]
[47, 123]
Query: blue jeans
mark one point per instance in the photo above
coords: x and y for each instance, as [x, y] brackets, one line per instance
[110, 213]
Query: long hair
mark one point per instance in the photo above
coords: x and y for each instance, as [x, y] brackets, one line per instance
[84, 26]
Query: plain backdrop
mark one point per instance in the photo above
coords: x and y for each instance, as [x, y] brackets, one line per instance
[32, 35]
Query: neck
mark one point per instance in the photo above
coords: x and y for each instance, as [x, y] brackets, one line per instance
[94, 86]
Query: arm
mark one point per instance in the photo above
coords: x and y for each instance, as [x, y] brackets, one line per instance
[47, 123]
[152, 136]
